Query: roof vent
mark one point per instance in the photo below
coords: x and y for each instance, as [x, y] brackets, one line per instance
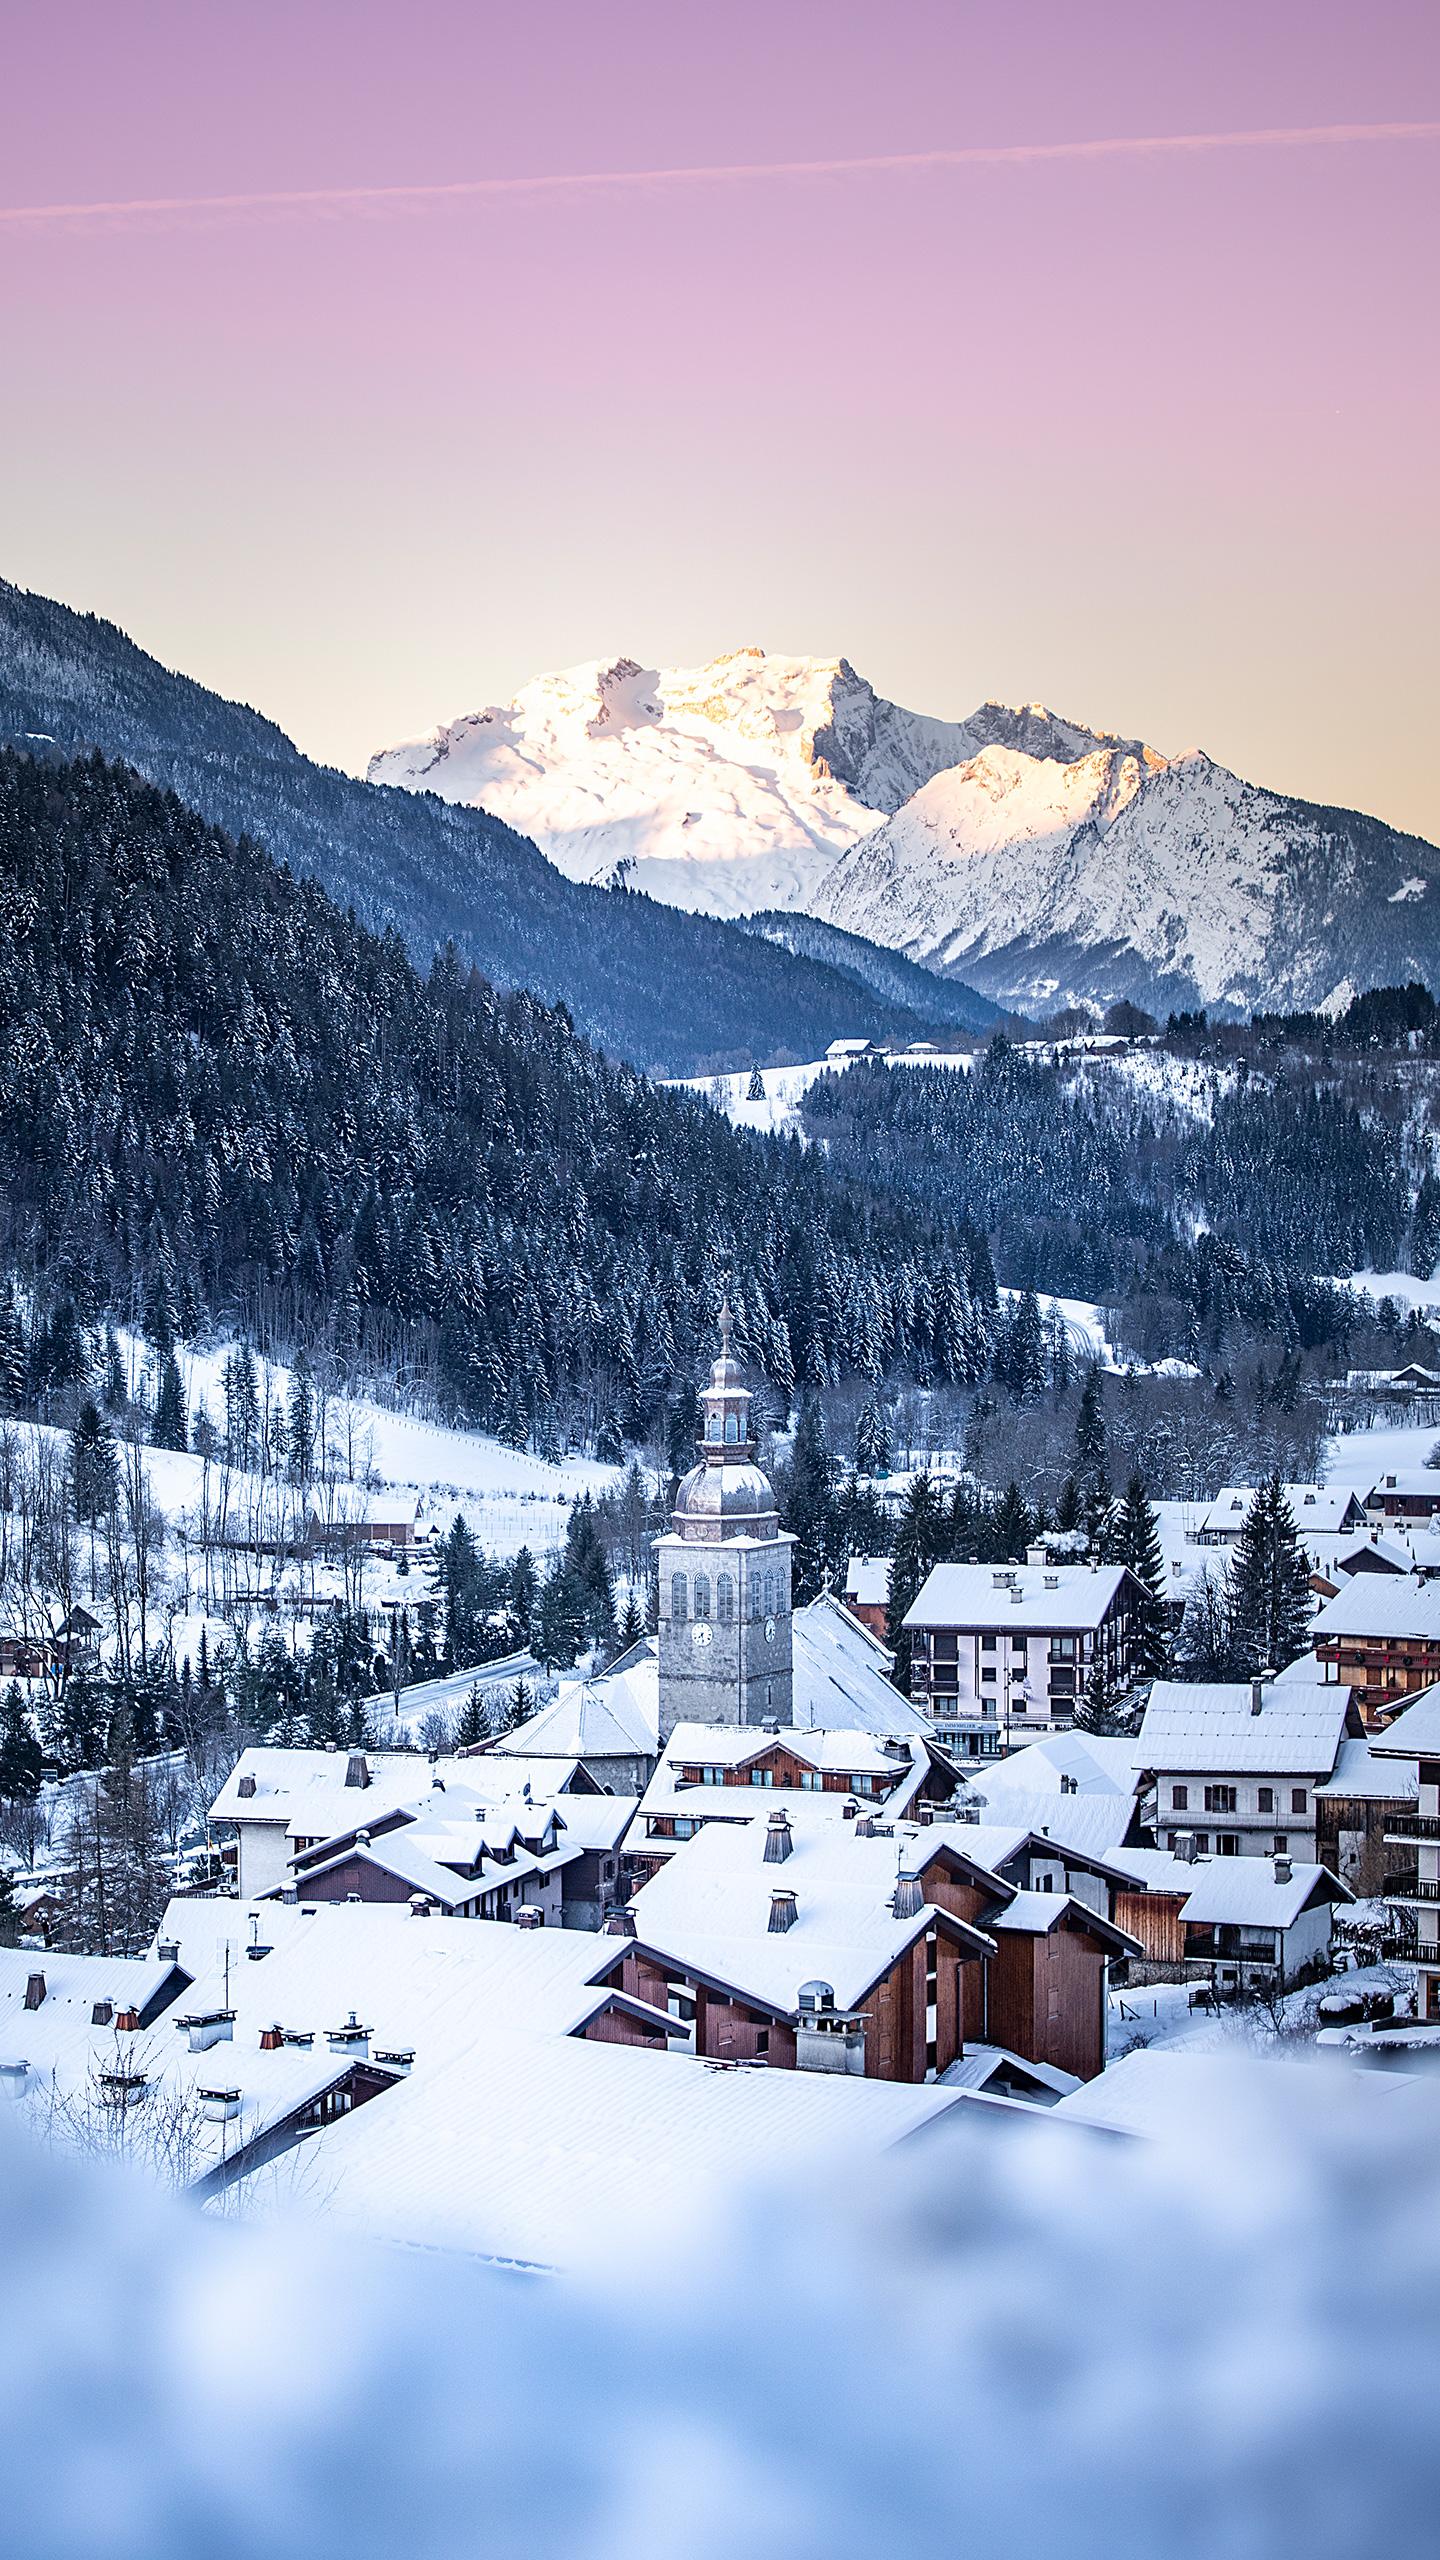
[246, 1786]
[357, 1770]
[779, 1839]
[362, 1839]
[529, 1916]
[35, 1991]
[907, 1899]
[783, 1910]
[816, 1996]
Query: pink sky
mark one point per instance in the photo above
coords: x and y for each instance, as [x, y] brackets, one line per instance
[1149, 436]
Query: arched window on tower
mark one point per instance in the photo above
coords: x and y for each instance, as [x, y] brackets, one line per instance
[732, 1426]
[677, 1596]
[714, 1427]
[702, 1595]
[725, 1599]
[769, 1595]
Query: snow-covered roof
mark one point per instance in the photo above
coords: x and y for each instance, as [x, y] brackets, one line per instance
[867, 1581]
[898, 1774]
[1198, 1726]
[1420, 1482]
[708, 1910]
[613, 1716]
[1374, 1546]
[1415, 1732]
[61, 2036]
[1322, 1507]
[1034, 1915]
[1247, 1892]
[1098, 1764]
[590, 2142]
[981, 2065]
[1357, 1772]
[1063, 1597]
[1089, 1827]
[305, 1791]
[994, 1842]
[1380, 1604]
[841, 1675]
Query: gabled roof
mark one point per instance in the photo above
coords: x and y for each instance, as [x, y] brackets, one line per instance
[1098, 1763]
[1035, 1915]
[1244, 1892]
[867, 1581]
[709, 1909]
[1415, 1733]
[1359, 1773]
[614, 1716]
[1062, 1597]
[60, 2035]
[1199, 1726]
[540, 2152]
[841, 1675]
[1381, 1604]
[1324, 1508]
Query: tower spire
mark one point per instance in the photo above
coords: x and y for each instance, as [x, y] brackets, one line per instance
[727, 1326]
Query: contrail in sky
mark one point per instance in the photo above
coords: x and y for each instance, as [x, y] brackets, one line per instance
[169, 210]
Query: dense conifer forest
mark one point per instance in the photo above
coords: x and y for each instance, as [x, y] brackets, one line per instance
[223, 1100]
[1231, 1202]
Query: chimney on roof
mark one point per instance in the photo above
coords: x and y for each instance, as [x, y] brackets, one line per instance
[1284, 1871]
[779, 1840]
[271, 2039]
[865, 1827]
[357, 1770]
[771, 1725]
[529, 1916]
[850, 1809]
[1036, 1555]
[246, 1786]
[1185, 1847]
[1257, 1696]
[362, 1839]
[168, 1950]
[906, 1899]
[784, 1911]
[419, 1906]
[621, 1924]
[35, 1991]
[127, 2021]
[103, 2013]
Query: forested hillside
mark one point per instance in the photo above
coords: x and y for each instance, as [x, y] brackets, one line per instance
[1208, 1182]
[222, 1097]
[676, 993]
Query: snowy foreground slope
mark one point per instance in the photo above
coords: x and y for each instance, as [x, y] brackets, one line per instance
[282, 2389]
[728, 788]
[1039, 860]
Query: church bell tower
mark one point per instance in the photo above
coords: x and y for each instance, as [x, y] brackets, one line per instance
[725, 1640]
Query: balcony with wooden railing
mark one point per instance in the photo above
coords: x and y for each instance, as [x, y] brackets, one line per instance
[1412, 1826]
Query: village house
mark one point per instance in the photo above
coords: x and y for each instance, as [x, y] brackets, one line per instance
[999, 1651]
[387, 1527]
[1318, 1510]
[1373, 1552]
[1356, 1809]
[1240, 1923]
[901, 1947]
[1380, 1637]
[554, 1862]
[709, 1774]
[1235, 1765]
[1411, 1494]
[1412, 1740]
[867, 1592]
[279, 1803]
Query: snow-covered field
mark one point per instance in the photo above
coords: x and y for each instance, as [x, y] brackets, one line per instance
[508, 1497]
[1403, 1286]
[1360, 1458]
[778, 1114]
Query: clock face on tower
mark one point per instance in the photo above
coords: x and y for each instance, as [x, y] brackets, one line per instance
[700, 1633]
